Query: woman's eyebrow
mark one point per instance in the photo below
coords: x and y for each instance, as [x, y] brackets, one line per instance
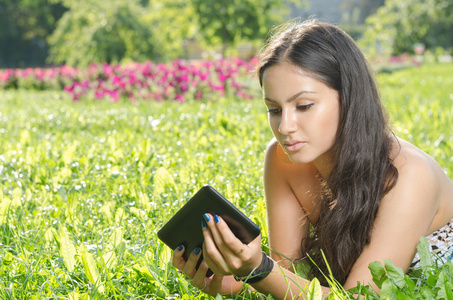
[293, 97]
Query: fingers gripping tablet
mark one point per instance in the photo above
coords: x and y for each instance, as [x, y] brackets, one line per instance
[185, 226]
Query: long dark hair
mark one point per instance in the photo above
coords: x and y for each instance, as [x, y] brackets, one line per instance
[363, 171]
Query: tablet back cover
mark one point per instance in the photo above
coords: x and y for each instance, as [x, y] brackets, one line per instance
[185, 226]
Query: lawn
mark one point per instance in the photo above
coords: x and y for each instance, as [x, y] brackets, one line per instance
[85, 186]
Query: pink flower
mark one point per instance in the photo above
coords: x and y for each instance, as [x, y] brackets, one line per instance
[236, 85]
[180, 98]
[243, 95]
[69, 88]
[173, 80]
[217, 87]
[99, 94]
[114, 95]
[222, 77]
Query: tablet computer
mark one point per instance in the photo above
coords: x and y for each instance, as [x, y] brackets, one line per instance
[185, 226]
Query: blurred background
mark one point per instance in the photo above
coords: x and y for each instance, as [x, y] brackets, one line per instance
[40, 33]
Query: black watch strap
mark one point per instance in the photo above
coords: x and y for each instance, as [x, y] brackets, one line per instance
[260, 272]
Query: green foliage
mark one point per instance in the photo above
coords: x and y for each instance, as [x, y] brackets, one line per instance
[24, 25]
[314, 290]
[103, 31]
[67, 250]
[428, 282]
[85, 186]
[120, 30]
[226, 23]
[398, 25]
[173, 23]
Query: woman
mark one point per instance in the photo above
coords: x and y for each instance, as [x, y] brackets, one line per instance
[336, 178]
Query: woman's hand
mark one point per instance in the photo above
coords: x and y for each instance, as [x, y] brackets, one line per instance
[210, 285]
[224, 253]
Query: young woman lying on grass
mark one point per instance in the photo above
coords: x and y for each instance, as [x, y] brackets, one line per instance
[334, 165]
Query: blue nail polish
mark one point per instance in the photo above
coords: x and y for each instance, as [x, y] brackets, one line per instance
[180, 247]
[196, 251]
[203, 224]
[216, 218]
[206, 217]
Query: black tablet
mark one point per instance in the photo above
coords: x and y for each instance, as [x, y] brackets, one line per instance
[185, 226]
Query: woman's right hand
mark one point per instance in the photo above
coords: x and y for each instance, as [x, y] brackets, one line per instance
[213, 285]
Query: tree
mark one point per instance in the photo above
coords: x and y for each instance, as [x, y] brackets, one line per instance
[400, 24]
[174, 22]
[24, 25]
[102, 31]
[138, 30]
[226, 23]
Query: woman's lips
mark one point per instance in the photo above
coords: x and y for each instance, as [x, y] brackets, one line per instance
[294, 146]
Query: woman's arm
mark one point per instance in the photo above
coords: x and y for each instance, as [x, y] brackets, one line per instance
[287, 220]
[284, 284]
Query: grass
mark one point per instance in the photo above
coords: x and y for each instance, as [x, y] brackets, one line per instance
[85, 186]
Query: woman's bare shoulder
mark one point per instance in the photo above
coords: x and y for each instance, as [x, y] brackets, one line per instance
[275, 154]
[278, 164]
[413, 161]
[420, 175]
[275, 157]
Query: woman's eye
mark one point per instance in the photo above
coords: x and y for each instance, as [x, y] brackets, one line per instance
[304, 107]
[274, 111]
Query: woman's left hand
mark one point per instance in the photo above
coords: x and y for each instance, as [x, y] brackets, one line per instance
[224, 253]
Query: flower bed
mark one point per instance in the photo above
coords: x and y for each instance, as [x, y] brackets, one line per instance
[179, 80]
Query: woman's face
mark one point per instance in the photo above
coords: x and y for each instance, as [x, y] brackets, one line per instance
[303, 113]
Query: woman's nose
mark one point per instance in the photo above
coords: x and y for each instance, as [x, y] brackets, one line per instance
[287, 123]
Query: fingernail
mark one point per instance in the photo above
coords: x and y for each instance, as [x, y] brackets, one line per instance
[180, 247]
[216, 218]
[206, 217]
[203, 224]
[196, 251]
